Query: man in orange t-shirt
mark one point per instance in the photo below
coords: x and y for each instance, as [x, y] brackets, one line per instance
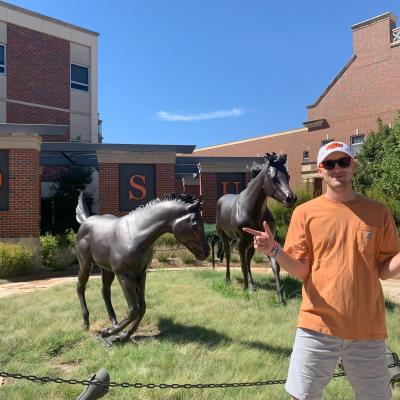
[340, 244]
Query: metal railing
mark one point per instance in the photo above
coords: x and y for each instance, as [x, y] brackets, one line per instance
[396, 35]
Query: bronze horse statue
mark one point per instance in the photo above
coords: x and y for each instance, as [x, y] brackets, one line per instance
[249, 209]
[123, 247]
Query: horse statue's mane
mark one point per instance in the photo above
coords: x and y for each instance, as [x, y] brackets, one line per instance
[275, 160]
[180, 198]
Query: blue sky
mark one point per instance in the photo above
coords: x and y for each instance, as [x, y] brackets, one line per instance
[212, 71]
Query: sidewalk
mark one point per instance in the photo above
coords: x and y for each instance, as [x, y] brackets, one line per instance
[391, 287]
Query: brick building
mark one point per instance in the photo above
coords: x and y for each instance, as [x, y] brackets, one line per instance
[49, 122]
[363, 91]
[48, 74]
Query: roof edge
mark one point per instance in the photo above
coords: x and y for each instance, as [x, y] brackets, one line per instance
[374, 20]
[335, 79]
[216, 146]
[47, 18]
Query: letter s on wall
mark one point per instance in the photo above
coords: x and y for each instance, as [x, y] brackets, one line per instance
[135, 185]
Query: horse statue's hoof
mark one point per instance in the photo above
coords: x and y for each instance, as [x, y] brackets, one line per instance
[95, 391]
[106, 332]
[122, 338]
[115, 340]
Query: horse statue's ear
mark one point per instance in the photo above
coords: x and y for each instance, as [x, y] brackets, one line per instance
[267, 158]
[196, 206]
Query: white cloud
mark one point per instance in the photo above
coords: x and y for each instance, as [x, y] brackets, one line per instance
[166, 116]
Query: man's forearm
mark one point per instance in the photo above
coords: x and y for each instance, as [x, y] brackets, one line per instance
[300, 269]
[390, 268]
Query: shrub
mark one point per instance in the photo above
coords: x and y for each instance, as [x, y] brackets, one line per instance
[234, 258]
[187, 258]
[48, 247]
[15, 260]
[166, 240]
[161, 256]
[258, 257]
[57, 251]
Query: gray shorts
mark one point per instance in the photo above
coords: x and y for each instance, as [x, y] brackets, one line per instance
[314, 358]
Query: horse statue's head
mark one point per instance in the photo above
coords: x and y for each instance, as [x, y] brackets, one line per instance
[189, 229]
[276, 180]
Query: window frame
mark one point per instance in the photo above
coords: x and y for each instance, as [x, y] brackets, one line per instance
[326, 141]
[5, 60]
[306, 159]
[358, 145]
[85, 86]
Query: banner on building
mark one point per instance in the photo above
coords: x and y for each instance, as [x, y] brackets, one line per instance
[137, 185]
[229, 182]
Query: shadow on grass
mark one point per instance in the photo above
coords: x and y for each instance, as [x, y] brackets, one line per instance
[280, 351]
[389, 305]
[191, 334]
[188, 334]
[291, 286]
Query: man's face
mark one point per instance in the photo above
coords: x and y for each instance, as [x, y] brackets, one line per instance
[338, 178]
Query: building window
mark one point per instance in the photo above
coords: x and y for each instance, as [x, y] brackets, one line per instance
[306, 156]
[326, 141]
[79, 77]
[2, 59]
[356, 142]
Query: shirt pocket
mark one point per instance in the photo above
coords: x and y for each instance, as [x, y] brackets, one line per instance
[368, 239]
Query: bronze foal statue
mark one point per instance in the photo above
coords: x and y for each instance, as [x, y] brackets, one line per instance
[123, 247]
[249, 208]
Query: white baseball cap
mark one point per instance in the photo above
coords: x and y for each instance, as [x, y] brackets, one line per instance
[331, 147]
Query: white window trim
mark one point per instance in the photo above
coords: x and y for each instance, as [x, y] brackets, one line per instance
[356, 146]
[326, 141]
[353, 136]
[79, 83]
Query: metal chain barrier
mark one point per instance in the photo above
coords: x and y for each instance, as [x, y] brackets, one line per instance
[47, 379]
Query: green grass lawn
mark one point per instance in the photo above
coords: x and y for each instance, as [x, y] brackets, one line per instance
[208, 333]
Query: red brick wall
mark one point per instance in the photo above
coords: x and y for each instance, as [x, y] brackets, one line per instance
[165, 179]
[109, 189]
[22, 219]
[38, 72]
[291, 144]
[193, 189]
[21, 114]
[368, 89]
[208, 191]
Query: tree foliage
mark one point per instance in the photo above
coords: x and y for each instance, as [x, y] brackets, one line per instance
[70, 183]
[378, 170]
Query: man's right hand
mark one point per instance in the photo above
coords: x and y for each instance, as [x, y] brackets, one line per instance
[263, 241]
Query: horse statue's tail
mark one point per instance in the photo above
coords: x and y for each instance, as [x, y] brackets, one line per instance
[220, 251]
[82, 212]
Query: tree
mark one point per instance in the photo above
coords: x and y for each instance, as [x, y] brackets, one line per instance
[58, 211]
[70, 183]
[378, 170]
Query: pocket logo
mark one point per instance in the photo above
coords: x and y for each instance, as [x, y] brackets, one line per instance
[368, 235]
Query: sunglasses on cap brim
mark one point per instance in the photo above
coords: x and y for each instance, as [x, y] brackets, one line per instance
[343, 162]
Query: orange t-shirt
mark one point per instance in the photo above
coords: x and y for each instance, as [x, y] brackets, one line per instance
[345, 242]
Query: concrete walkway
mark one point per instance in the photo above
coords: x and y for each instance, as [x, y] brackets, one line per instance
[391, 287]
